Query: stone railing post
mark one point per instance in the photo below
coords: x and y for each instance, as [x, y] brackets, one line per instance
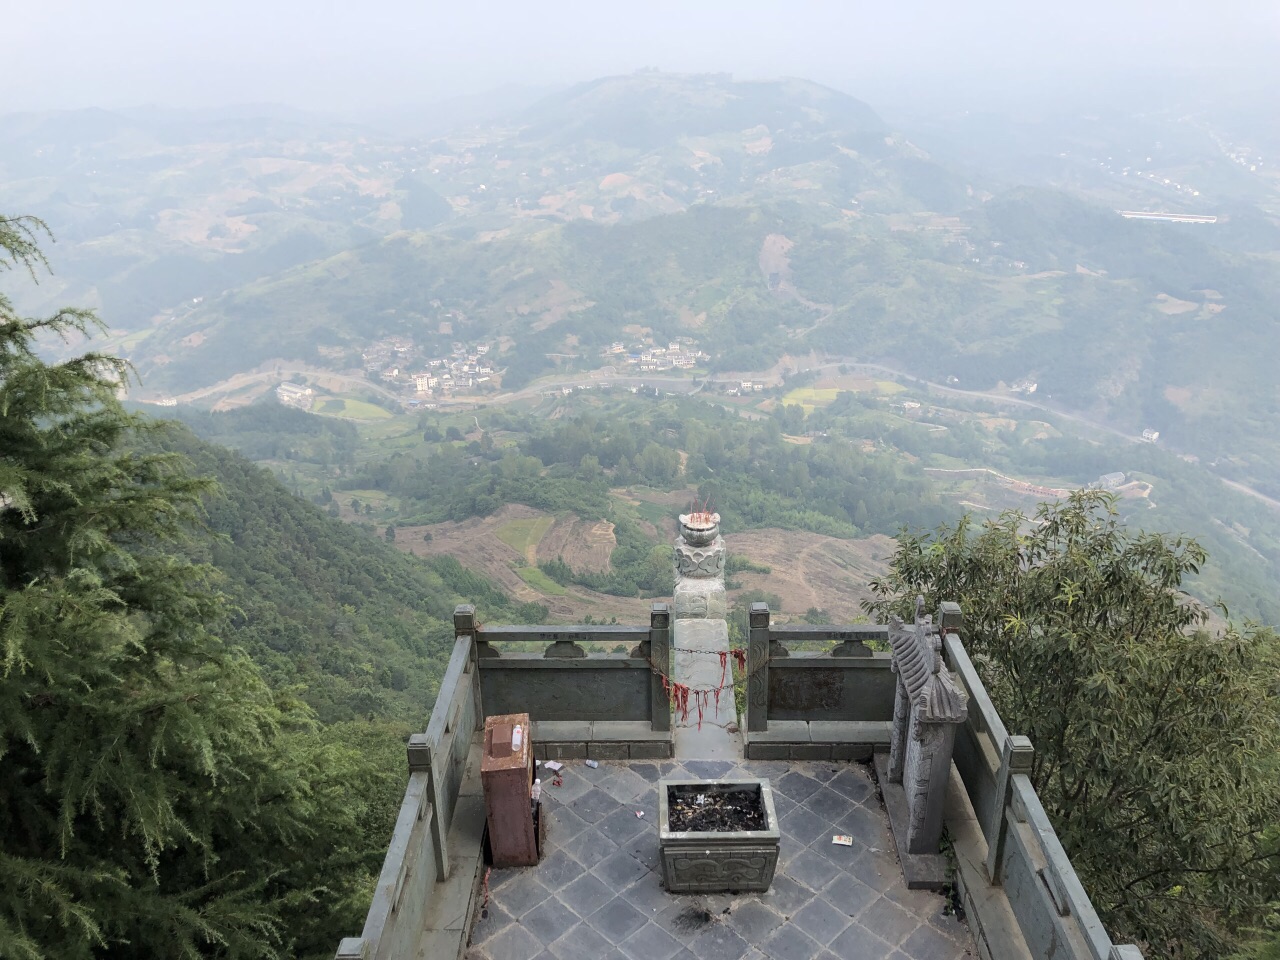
[352, 948]
[465, 625]
[659, 657]
[758, 669]
[928, 707]
[950, 617]
[421, 760]
[1015, 757]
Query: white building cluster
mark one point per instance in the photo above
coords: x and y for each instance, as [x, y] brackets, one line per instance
[682, 353]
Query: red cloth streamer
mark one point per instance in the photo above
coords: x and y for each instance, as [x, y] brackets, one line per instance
[680, 698]
[740, 658]
[724, 665]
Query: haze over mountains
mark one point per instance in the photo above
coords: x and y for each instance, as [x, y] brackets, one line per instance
[761, 218]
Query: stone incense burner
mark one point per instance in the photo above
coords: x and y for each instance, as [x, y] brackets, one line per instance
[699, 529]
[720, 860]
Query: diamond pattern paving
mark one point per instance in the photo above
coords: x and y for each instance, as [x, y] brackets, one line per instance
[598, 891]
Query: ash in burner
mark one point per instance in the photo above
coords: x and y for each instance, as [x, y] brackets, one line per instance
[715, 808]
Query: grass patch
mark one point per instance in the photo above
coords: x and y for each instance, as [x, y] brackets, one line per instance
[811, 397]
[522, 535]
[351, 409]
[541, 582]
[655, 513]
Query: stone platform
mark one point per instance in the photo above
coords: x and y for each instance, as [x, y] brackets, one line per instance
[597, 894]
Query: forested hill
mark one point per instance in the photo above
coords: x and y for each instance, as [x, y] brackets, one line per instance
[361, 629]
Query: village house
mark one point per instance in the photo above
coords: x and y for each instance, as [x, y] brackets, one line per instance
[1109, 481]
[295, 395]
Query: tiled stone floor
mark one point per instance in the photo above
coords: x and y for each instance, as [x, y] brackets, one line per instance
[597, 894]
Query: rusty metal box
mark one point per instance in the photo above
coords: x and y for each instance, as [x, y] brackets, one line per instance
[506, 774]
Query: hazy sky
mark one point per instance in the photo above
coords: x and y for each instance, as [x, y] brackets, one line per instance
[344, 56]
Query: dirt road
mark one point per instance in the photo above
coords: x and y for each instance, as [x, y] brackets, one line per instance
[287, 371]
[685, 385]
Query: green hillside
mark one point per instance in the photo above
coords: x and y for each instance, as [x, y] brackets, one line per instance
[354, 626]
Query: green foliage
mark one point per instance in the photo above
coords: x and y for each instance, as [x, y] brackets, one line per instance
[738, 563]
[740, 613]
[272, 431]
[355, 627]
[1156, 741]
[159, 799]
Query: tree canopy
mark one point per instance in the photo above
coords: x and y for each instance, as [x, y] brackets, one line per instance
[159, 799]
[1156, 739]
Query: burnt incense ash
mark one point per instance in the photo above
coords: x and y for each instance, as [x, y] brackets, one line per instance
[711, 810]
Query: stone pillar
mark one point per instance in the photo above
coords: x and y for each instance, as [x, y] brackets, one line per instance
[927, 708]
[699, 563]
[421, 760]
[658, 653]
[465, 625]
[758, 669]
[1016, 756]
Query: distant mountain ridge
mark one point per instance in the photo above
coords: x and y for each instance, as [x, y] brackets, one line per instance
[648, 110]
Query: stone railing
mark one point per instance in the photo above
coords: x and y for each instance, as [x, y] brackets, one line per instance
[609, 706]
[836, 704]
[601, 705]
[840, 704]
[833, 705]
[408, 907]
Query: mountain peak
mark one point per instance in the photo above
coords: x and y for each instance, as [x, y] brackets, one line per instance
[647, 109]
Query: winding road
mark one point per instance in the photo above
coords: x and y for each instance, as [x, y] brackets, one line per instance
[683, 385]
